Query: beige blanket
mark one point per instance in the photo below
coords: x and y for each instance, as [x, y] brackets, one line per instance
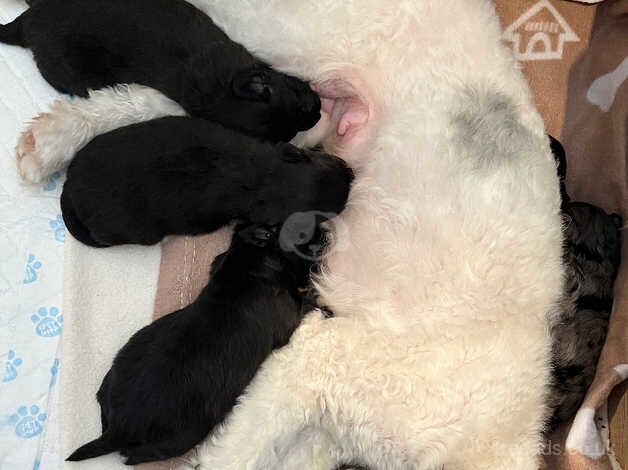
[576, 59]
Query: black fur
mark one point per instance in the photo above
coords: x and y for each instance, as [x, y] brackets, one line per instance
[561, 167]
[595, 303]
[178, 175]
[177, 378]
[168, 45]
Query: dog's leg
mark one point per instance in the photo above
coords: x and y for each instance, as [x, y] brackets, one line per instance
[497, 454]
[313, 449]
[278, 406]
[53, 138]
[306, 409]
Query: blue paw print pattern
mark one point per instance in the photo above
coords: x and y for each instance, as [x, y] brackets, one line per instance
[13, 363]
[54, 371]
[48, 322]
[58, 227]
[36, 464]
[52, 182]
[32, 266]
[28, 422]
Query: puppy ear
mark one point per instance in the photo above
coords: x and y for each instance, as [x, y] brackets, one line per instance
[559, 156]
[253, 84]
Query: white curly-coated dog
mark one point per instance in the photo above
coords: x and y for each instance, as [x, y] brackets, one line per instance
[438, 354]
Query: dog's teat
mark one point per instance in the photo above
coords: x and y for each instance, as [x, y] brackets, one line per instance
[346, 107]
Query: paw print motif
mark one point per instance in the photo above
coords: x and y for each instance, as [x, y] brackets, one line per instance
[36, 464]
[58, 227]
[48, 323]
[54, 371]
[32, 266]
[12, 364]
[52, 182]
[28, 422]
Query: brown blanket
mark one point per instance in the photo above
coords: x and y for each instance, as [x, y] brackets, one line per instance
[564, 47]
[576, 59]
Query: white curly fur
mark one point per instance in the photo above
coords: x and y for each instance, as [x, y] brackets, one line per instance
[439, 351]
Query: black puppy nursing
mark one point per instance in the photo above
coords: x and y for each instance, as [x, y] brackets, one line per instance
[178, 377]
[168, 45]
[180, 175]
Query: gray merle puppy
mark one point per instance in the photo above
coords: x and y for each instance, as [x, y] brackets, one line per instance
[592, 248]
[591, 257]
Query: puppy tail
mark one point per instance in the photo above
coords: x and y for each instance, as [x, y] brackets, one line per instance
[74, 225]
[92, 449]
[12, 33]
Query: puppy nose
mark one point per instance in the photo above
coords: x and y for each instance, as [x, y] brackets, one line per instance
[311, 108]
[316, 103]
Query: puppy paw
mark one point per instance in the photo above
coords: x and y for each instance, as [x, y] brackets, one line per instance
[46, 145]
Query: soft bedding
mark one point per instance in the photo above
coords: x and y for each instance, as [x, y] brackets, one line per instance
[32, 237]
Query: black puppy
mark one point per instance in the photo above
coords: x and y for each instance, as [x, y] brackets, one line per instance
[591, 257]
[177, 378]
[168, 45]
[179, 175]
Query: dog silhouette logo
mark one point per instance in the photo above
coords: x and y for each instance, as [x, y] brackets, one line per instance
[299, 235]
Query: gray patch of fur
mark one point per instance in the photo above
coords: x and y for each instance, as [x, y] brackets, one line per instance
[488, 129]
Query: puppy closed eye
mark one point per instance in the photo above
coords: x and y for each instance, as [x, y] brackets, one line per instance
[252, 85]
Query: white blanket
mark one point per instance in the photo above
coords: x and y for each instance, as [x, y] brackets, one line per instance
[31, 271]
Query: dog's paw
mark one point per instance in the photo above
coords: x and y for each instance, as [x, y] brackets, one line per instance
[28, 162]
[35, 150]
[45, 145]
